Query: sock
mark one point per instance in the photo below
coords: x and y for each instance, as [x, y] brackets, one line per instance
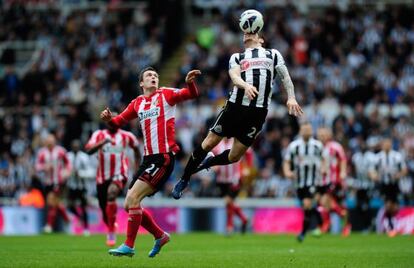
[84, 217]
[150, 225]
[229, 215]
[51, 216]
[306, 220]
[134, 221]
[63, 212]
[338, 209]
[196, 158]
[324, 218]
[389, 217]
[237, 210]
[318, 216]
[219, 160]
[111, 209]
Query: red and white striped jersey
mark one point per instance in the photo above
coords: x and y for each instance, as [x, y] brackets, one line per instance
[333, 154]
[112, 159]
[156, 115]
[51, 164]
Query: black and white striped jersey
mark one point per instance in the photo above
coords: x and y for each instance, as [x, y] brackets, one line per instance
[363, 162]
[306, 161]
[258, 68]
[81, 167]
[389, 164]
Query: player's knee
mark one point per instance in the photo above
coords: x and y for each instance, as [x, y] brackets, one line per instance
[131, 201]
[234, 157]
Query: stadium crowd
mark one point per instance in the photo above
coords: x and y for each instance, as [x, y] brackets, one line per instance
[353, 71]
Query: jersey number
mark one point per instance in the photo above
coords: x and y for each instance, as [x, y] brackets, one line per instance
[251, 134]
[152, 170]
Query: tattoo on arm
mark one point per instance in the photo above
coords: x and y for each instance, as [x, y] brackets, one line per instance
[284, 76]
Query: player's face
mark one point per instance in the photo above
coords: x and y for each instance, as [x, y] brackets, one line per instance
[323, 135]
[306, 131]
[251, 38]
[387, 145]
[50, 141]
[149, 80]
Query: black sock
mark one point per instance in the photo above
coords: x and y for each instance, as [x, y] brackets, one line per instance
[306, 220]
[389, 217]
[318, 216]
[219, 160]
[196, 158]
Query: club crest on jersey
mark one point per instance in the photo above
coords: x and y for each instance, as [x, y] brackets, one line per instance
[153, 112]
[218, 129]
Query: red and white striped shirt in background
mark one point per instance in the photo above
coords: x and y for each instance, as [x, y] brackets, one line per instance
[112, 159]
[231, 173]
[156, 115]
[333, 154]
[51, 164]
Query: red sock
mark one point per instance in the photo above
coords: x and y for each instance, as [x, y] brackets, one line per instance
[51, 216]
[326, 220]
[63, 212]
[338, 209]
[229, 214]
[111, 209]
[134, 221]
[150, 225]
[239, 213]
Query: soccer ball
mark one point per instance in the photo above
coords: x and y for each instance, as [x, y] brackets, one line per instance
[251, 21]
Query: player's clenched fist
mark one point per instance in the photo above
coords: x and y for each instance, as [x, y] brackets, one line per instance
[192, 75]
[106, 115]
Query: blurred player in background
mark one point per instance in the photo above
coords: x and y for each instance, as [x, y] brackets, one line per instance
[303, 163]
[229, 182]
[81, 171]
[54, 167]
[389, 168]
[112, 171]
[362, 162]
[332, 188]
[155, 109]
[252, 73]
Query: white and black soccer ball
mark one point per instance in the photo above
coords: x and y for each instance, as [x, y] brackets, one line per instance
[251, 21]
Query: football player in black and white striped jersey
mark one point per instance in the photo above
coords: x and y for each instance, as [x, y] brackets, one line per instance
[389, 168]
[304, 163]
[252, 73]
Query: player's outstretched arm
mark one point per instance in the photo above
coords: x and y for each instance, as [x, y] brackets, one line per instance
[292, 104]
[235, 76]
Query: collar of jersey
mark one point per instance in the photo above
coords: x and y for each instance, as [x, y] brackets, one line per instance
[150, 96]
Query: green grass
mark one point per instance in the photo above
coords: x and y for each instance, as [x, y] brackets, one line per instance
[212, 250]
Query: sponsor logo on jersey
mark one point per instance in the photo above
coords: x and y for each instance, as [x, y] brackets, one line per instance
[256, 64]
[153, 112]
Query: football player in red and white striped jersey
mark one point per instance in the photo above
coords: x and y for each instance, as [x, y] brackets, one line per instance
[333, 179]
[112, 172]
[155, 110]
[53, 165]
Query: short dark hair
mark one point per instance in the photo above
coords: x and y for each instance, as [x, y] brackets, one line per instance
[141, 74]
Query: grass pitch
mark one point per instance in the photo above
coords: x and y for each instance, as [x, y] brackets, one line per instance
[212, 250]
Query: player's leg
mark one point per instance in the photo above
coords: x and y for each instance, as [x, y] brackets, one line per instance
[161, 237]
[324, 210]
[111, 210]
[194, 161]
[84, 213]
[307, 215]
[229, 213]
[233, 192]
[52, 211]
[102, 193]
[132, 204]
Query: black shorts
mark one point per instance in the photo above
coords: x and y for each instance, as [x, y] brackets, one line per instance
[155, 170]
[228, 189]
[240, 122]
[390, 192]
[306, 192]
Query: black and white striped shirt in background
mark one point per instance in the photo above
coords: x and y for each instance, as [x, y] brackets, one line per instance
[306, 161]
[363, 162]
[258, 68]
[389, 164]
[82, 169]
